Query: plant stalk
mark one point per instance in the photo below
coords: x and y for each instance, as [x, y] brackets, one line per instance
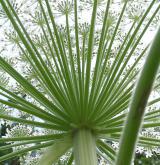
[85, 148]
[138, 103]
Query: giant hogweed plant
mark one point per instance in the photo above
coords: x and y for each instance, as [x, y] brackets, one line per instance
[78, 85]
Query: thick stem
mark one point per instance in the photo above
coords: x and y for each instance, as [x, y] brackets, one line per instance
[85, 148]
[138, 103]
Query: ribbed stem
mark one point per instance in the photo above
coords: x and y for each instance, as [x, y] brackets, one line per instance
[85, 148]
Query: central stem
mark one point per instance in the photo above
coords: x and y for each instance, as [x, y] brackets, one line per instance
[85, 148]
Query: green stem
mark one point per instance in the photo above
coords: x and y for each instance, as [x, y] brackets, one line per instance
[138, 104]
[85, 148]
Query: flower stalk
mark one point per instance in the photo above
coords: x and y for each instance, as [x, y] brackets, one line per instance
[138, 104]
[85, 148]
